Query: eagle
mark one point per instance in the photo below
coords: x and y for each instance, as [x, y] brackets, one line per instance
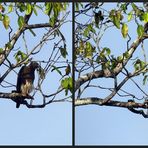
[25, 80]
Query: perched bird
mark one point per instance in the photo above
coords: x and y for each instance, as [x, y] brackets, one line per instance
[25, 80]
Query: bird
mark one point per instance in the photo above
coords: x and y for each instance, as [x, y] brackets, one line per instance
[25, 80]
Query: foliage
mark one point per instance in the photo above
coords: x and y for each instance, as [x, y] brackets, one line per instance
[16, 18]
[96, 55]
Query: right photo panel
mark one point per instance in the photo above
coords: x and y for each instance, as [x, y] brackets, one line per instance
[111, 73]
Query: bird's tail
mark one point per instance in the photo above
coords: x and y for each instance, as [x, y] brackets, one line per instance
[18, 104]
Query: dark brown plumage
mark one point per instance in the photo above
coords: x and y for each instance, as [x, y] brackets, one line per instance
[25, 80]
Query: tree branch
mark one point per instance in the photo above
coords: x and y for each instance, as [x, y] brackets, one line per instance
[13, 40]
[93, 75]
[99, 101]
[14, 96]
[138, 112]
[115, 91]
[116, 71]
[34, 26]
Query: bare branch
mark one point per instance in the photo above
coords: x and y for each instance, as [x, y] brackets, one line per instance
[99, 101]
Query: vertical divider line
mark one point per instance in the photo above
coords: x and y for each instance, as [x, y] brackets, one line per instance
[73, 74]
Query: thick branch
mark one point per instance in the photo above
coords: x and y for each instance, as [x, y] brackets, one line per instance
[34, 26]
[99, 101]
[89, 76]
[138, 112]
[14, 96]
[131, 51]
[117, 69]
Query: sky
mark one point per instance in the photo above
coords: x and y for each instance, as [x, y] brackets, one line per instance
[104, 125]
[51, 125]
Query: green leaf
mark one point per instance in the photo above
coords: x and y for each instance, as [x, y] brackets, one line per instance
[124, 7]
[145, 79]
[6, 21]
[80, 50]
[52, 21]
[65, 5]
[124, 30]
[106, 51]
[116, 21]
[34, 10]
[38, 7]
[130, 16]
[112, 14]
[23, 56]
[67, 84]
[10, 8]
[1, 17]
[56, 12]
[48, 8]
[145, 17]
[138, 11]
[113, 63]
[119, 15]
[1, 50]
[63, 52]
[20, 21]
[107, 65]
[77, 6]
[20, 56]
[139, 65]
[135, 8]
[21, 6]
[8, 45]
[120, 58]
[64, 83]
[126, 54]
[92, 29]
[28, 9]
[89, 50]
[86, 32]
[140, 30]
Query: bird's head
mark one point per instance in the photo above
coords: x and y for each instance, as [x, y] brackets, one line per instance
[34, 65]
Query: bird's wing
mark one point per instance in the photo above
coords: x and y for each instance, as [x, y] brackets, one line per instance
[20, 79]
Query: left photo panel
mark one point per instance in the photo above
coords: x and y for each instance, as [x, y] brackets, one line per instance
[36, 73]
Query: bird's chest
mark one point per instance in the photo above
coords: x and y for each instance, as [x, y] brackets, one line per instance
[26, 87]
